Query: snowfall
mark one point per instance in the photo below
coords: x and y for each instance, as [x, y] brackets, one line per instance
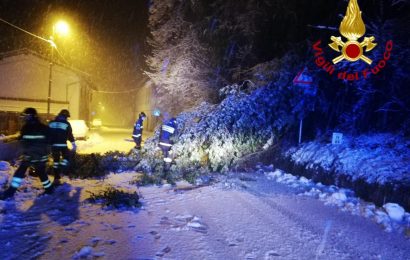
[264, 214]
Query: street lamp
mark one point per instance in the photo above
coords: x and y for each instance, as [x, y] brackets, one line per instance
[60, 28]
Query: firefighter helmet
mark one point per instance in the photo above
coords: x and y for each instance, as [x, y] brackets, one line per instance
[64, 112]
[29, 113]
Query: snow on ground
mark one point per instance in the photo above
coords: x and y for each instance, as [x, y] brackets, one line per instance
[392, 216]
[267, 214]
[379, 158]
[108, 139]
[5, 171]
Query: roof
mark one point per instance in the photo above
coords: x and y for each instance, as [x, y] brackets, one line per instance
[84, 75]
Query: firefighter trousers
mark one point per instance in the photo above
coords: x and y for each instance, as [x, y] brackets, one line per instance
[61, 159]
[137, 141]
[40, 168]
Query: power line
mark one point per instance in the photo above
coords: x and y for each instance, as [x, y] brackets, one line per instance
[38, 37]
[139, 83]
[116, 92]
[21, 29]
[59, 53]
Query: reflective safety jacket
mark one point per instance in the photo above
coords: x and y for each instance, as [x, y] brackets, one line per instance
[34, 137]
[167, 131]
[60, 132]
[138, 127]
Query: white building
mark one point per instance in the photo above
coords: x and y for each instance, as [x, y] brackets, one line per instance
[24, 82]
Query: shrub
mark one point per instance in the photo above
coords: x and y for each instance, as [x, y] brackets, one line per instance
[112, 197]
[96, 165]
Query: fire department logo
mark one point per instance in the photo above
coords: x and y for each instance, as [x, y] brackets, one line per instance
[352, 28]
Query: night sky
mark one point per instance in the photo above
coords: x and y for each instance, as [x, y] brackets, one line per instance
[108, 38]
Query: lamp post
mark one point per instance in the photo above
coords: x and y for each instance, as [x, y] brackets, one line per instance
[50, 77]
[62, 29]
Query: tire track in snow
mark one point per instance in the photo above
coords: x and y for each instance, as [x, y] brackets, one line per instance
[296, 240]
[355, 236]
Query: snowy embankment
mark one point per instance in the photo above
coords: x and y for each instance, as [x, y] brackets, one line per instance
[376, 158]
[375, 166]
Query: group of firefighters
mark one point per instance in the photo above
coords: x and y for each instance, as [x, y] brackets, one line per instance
[165, 137]
[35, 138]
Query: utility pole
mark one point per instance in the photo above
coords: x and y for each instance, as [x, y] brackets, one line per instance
[61, 28]
[50, 76]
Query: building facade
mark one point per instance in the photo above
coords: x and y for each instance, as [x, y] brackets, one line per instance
[24, 82]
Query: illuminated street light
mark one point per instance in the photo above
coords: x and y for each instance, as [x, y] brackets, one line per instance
[61, 28]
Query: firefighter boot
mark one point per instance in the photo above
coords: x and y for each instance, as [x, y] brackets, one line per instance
[170, 180]
[167, 176]
[8, 193]
[57, 177]
[48, 191]
[57, 181]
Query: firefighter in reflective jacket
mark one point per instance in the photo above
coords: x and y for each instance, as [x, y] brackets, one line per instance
[165, 140]
[137, 133]
[34, 142]
[60, 132]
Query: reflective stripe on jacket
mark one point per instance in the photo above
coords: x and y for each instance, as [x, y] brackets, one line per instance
[34, 137]
[167, 131]
[138, 127]
[60, 132]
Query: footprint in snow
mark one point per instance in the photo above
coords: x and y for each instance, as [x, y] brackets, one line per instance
[164, 251]
[236, 242]
[271, 255]
[155, 234]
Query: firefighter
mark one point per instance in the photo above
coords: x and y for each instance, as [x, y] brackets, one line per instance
[137, 133]
[166, 141]
[60, 132]
[34, 141]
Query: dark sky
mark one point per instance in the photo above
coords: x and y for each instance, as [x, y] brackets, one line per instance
[108, 37]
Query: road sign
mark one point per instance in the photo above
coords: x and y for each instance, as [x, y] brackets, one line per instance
[304, 80]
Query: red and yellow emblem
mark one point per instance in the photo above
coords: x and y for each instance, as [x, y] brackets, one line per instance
[352, 28]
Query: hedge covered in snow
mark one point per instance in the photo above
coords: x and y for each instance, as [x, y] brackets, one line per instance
[375, 166]
[375, 158]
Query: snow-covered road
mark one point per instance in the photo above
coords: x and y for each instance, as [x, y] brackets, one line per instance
[108, 139]
[251, 217]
